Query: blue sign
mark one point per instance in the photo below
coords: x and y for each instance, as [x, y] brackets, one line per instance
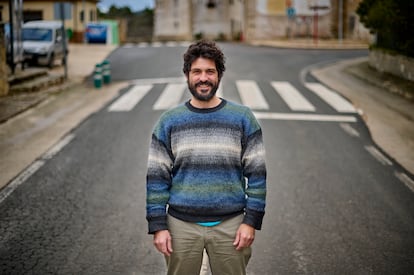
[290, 12]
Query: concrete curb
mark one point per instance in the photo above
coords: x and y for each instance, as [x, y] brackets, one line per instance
[389, 117]
[309, 44]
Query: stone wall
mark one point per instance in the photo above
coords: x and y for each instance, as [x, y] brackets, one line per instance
[398, 65]
[4, 83]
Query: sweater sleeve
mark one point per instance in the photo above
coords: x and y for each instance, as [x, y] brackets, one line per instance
[158, 183]
[254, 169]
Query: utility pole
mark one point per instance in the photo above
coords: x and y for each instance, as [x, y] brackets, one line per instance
[11, 22]
[62, 17]
[340, 21]
[84, 21]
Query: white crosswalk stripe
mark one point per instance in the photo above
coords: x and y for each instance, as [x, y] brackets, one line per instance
[251, 95]
[170, 97]
[333, 99]
[293, 98]
[157, 44]
[128, 101]
[143, 45]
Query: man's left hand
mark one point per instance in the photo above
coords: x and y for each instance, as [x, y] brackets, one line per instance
[244, 236]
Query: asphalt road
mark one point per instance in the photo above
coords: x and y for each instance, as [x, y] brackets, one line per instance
[334, 206]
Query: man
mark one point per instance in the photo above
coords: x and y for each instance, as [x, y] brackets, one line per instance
[206, 180]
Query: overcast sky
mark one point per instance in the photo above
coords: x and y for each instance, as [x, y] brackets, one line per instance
[135, 5]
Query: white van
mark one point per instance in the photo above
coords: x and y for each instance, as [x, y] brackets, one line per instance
[43, 42]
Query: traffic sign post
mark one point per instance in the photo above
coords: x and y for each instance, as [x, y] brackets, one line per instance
[291, 13]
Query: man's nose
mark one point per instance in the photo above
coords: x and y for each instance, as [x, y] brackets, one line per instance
[203, 76]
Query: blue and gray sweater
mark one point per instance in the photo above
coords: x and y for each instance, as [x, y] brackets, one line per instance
[206, 165]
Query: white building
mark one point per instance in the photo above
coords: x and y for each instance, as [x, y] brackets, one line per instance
[244, 19]
[186, 19]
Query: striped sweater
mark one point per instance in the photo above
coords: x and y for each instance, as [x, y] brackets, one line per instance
[206, 165]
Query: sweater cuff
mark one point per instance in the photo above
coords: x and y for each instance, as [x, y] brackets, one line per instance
[157, 224]
[253, 218]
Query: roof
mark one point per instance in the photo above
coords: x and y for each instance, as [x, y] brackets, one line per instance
[43, 24]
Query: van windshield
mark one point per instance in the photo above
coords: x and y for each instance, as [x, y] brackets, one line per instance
[37, 34]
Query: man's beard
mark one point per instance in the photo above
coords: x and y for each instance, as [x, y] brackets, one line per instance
[203, 96]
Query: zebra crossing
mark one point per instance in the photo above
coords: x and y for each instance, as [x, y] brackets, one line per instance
[156, 44]
[250, 94]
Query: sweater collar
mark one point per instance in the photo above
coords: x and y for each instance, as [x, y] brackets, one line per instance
[206, 110]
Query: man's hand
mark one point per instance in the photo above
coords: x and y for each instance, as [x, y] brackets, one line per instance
[244, 236]
[162, 241]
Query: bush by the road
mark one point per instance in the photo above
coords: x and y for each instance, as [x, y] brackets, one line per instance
[392, 22]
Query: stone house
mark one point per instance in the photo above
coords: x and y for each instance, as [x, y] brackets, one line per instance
[254, 19]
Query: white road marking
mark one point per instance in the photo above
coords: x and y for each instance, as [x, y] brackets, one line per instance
[22, 177]
[170, 97]
[251, 95]
[128, 101]
[157, 44]
[185, 43]
[378, 155]
[143, 45]
[293, 98]
[333, 99]
[128, 45]
[349, 130]
[406, 180]
[58, 147]
[304, 117]
[171, 44]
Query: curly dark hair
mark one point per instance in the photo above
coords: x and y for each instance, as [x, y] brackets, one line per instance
[205, 49]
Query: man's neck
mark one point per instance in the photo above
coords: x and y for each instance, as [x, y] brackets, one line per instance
[214, 102]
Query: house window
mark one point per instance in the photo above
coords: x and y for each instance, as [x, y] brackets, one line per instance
[67, 11]
[211, 4]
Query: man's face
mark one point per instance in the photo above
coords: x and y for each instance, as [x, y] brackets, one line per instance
[203, 80]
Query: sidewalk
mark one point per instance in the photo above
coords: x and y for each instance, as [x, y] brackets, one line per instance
[34, 122]
[310, 43]
[385, 101]
[24, 136]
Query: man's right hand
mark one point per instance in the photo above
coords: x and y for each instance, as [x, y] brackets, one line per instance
[162, 241]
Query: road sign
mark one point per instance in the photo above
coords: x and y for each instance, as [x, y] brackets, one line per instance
[290, 12]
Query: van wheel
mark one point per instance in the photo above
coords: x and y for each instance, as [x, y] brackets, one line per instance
[51, 61]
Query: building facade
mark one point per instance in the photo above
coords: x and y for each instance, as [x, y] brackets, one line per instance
[254, 19]
[186, 19]
[77, 13]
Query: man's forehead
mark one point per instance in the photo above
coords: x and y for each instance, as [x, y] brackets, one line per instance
[203, 62]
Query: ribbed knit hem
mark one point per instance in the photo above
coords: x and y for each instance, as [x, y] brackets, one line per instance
[254, 219]
[157, 224]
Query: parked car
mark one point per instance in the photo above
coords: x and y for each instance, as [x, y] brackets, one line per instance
[43, 42]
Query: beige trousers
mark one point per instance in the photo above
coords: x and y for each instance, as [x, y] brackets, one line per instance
[190, 239]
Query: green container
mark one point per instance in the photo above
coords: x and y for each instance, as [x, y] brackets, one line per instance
[106, 72]
[97, 76]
